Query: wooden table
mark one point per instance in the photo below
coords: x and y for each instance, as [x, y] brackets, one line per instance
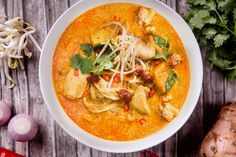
[52, 140]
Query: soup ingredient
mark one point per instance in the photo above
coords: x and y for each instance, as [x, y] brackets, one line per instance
[125, 95]
[5, 113]
[171, 80]
[214, 22]
[150, 153]
[99, 105]
[220, 140]
[87, 48]
[93, 78]
[144, 51]
[85, 64]
[74, 86]
[139, 100]
[7, 153]
[14, 36]
[102, 88]
[160, 75]
[145, 15]
[168, 111]
[22, 128]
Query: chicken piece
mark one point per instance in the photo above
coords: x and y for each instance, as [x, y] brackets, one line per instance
[149, 29]
[144, 51]
[74, 86]
[175, 59]
[100, 36]
[221, 139]
[145, 15]
[169, 111]
[139, 100]
[160, 74]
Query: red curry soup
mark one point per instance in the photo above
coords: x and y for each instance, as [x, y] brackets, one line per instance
[121, 72]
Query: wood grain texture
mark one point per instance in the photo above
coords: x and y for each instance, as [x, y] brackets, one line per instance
[52, 141]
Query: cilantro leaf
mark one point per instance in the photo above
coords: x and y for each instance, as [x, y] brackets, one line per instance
[220, 39]
[75, 61]
[87, 48]
[171, 80]
[160, 56]
[104, 62]
[159, 41]
[210, 33]
[84, 64]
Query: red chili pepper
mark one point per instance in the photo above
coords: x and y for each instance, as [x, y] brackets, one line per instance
[170, 61]
[142, 121]
[150, 153]
[76, 72]
[126, 107]
[116, 78]
[151, 92]
[7, 153]
[156, 63]
[117, 18]
[106, 77]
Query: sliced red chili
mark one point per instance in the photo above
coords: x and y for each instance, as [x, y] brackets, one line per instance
[126, 107]
[106, 77]
[142, 121]
[146, 152]
[76, 72]
[116, 78]
[156, 63]
[151, 92]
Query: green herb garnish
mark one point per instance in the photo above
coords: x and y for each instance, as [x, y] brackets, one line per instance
[171, 80]
[103, 63]
[214, 22]
[87, 48]
[84, 64]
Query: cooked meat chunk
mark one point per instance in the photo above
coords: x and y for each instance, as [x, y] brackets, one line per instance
[74, 86]
[150, 29]
[169, 111]
[144, 51]
[160, 75]
[145, 15]
[139, 100]
[175, 59]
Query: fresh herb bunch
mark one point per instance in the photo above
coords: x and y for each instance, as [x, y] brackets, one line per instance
[214, 22]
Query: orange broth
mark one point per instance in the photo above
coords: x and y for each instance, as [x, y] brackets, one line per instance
[107, 125]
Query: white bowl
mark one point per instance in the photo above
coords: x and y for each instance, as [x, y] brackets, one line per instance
[56, 110]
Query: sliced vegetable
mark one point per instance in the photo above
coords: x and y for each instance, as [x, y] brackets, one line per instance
[5, 113]
[22, 128]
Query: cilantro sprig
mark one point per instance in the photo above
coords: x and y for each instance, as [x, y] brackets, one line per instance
[214, 22]
[89, 64]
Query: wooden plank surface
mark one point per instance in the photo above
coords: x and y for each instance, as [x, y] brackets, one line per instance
[52, 141]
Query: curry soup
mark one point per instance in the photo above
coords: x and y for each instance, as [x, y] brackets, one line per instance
[121, 72]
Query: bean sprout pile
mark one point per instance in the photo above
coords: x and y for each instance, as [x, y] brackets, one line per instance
[14, 36]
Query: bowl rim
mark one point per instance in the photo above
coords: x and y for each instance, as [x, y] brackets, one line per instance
[86, 138]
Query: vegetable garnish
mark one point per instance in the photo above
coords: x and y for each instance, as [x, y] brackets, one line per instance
[87, 48]
[165, 45]
[214, 22]
[171, 80]
[14, 36]
[84, 64]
